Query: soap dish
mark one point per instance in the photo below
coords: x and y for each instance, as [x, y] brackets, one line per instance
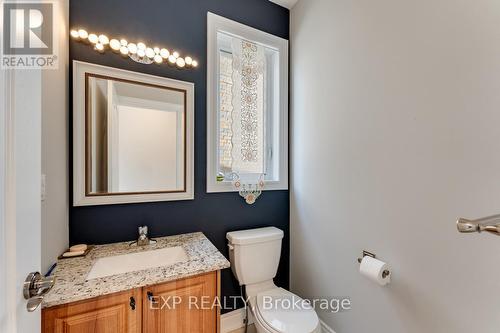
[77, 256]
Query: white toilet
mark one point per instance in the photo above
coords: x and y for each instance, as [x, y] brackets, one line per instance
[254, 256]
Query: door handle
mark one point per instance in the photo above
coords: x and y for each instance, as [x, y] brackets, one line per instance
[490, 224]
[33, 303]
[34, 289]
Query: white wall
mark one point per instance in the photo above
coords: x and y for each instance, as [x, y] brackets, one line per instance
[55, 148]
[395, 134]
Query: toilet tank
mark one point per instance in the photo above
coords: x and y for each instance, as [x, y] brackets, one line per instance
[255, 254]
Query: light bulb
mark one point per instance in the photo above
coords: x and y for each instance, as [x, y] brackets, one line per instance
[93, 38]
[114, 44]
[157, 50]
[123, 42]
[141, 53]
[150, 53]
[158, 59]
[195, 63]
[171, 59]
[99, 47]
[124, 50]
[74, 34]
[164, 53]
[83, 34]
[176, 54]
[132, 48]
[189, 61]
[180, 63]
[141, 46]
[103, 39]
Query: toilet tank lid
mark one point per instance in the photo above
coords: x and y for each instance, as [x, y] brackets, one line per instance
[253, 236]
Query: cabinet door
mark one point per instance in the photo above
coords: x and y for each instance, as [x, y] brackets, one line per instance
[115, 313]
[183, 306]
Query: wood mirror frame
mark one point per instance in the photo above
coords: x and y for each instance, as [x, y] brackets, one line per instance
[82, 194]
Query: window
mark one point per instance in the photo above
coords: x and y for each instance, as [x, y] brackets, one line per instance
[247, 105]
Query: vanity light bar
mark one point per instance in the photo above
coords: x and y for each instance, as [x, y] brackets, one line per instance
[138, 52]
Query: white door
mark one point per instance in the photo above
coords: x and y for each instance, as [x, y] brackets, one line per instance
[20, 206]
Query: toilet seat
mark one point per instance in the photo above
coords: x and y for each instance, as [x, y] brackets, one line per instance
[280, 311]
[263, 324]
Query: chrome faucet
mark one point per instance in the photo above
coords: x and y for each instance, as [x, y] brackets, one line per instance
[143, 238]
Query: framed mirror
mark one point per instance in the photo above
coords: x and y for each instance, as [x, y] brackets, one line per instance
[133, 137]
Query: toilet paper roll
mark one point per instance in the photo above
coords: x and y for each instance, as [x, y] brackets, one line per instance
[374, 270]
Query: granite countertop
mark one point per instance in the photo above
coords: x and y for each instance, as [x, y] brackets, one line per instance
[71, 284]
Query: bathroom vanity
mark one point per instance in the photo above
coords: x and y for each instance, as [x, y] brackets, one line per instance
[165, 286]
[122, 288]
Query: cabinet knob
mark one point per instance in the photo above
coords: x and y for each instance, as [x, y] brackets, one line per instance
[132, 303]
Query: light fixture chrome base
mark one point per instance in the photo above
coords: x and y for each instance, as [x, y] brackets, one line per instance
[141, 60]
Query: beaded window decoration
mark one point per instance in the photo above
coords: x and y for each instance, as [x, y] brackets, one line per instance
[248, 190]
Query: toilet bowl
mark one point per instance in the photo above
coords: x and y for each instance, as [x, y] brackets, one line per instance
[254, 256]
[278, 310]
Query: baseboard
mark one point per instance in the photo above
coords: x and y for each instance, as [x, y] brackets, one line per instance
[233, 320]
[325, 328]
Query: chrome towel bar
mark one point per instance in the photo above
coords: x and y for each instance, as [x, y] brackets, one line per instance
[490, 224]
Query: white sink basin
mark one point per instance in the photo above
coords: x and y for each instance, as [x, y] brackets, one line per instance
[137, 261]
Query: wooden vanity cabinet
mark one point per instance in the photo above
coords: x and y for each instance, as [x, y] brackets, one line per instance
[182, 306]
[115, 313]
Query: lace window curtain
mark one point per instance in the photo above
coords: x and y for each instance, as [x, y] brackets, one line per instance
[247, 97]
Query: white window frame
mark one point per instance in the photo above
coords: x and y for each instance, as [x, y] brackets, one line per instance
[215, 24]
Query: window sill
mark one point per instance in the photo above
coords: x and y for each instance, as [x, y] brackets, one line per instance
[220, 187]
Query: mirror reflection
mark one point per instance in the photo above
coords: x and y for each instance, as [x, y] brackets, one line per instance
[135, 137]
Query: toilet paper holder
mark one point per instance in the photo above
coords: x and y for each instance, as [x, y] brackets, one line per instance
[385, 273]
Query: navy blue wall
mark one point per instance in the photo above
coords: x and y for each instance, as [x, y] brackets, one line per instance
[179, 24]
